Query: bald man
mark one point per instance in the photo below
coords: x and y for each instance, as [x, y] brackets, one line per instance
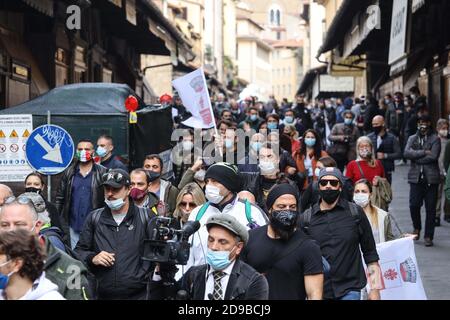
[386, 145]
[5, 193]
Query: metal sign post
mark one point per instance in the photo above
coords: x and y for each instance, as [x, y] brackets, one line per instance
[49, 178]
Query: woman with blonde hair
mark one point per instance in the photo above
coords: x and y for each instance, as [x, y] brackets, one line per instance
[190, 197]
[365, 166]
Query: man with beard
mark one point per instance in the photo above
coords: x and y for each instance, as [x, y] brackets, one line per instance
[290, 260]
[341, 228]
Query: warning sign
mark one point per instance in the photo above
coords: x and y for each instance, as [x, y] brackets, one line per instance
[14, 133]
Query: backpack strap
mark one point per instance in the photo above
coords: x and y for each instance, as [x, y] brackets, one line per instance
[248, 211]
[202, 211]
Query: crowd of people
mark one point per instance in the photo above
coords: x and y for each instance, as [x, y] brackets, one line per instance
[292, 216]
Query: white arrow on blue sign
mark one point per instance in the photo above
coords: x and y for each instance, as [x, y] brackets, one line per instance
[49, 149]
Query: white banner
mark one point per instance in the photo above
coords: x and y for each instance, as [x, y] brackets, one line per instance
[397, 44]
[400, 271]
[14, 132]
[193, 92]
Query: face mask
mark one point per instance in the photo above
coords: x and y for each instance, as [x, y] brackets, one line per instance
[4, 278]
[152, 175]
[101, 152]
[361, 199]
[218, 260]
[443, 133]
[256, 146]
[387, 101]
[289, 119]
[422, 129]
[34, 190]
[377, 130]
[348, 121]
[213, 195]
[365, 153]
[317, 172]
[271, 125]
[329, 196]
[310, 142]
[284, 219]
[115, 204]
[229, 143]
[253, 117]
[413, 96]
[188, 145]
[235, 111]
[137, 194]
[267, 167]
[84, 156]
[200, 175]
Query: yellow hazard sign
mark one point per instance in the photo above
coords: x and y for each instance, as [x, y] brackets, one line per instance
[26, 134]
[2, 134]
[14, 134]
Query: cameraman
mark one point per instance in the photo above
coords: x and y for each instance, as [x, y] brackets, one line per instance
[225, 276]
[344, 136]
[112, 239]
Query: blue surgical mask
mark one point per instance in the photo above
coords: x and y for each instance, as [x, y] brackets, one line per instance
[256, 146]
[115, 204]
[348, 121]
[218, 260]
[101, 152]
[288, 119]
[4, 278]
[310, 142]
[229, 143]
[253, 117]
[271, 125]
[317, 172]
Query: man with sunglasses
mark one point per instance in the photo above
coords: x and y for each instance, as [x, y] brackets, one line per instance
[340, 227]
[79, 191]
[67, 273]
[112, 242]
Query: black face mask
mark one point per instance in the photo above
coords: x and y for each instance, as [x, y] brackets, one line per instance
[153, 176]
[329, 196]
[377, 130]
[34, 190]
[284, 223]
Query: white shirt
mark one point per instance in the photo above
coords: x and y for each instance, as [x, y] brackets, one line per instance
[308, 165]
[118, 217]
[209, 288]
[379, 141]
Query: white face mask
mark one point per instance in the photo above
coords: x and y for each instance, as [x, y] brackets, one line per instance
[443, 133]
[361, 199]
[212, 193]
[187, 145]
[267, 168]
[200, 175]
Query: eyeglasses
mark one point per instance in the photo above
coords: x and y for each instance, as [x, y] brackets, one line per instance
[185, 204]
[324, 183]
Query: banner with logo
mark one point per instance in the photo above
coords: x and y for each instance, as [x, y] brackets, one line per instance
[194, 93]
[400, 271]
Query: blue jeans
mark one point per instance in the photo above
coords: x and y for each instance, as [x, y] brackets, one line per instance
[351, 295]
[74, 237]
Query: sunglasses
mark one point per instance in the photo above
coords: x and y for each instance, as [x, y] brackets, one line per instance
[324, 183]
[20, 199]
[185, 204]
[115, 176]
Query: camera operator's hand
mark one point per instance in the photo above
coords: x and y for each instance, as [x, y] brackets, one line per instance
[104, 259]
[197, 165]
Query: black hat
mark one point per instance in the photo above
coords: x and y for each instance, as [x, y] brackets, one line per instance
[226, 174]
[279, 190]
[116, 178]
[424, 118]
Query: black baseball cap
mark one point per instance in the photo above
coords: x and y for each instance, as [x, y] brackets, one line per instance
[116, 178]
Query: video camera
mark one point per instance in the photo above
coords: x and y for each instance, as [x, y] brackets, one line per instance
[168, 245]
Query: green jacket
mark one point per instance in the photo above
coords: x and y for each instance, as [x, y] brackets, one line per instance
[447, 185]
[68, 274]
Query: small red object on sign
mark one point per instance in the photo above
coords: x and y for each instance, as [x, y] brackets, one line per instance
[165, 98]
[131, 104]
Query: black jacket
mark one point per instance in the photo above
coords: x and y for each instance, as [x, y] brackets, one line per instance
[64, 194]
[128, 277]
[390, 146]
[245, 283]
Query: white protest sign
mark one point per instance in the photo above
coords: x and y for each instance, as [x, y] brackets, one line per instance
[400, 271]
[14, 132]
[193, 92]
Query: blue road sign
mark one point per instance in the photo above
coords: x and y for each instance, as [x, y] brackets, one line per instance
[49, 149]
